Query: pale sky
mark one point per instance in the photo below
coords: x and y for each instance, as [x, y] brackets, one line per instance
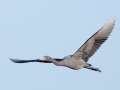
[31, 29]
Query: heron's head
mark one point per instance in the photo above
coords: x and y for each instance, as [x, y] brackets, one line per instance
[48, 58]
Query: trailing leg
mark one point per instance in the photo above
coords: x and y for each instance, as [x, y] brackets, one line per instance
[92, 68]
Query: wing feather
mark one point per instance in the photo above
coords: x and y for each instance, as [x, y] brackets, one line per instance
[94, 42]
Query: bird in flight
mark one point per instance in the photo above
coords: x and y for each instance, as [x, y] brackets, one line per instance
[80, 58]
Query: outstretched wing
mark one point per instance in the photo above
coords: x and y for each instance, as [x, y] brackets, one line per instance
[27, 61]
[94, 42]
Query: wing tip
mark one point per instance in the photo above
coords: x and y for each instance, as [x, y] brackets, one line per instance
[112, 20]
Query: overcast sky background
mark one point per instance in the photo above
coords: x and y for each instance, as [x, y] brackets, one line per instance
[31, 29]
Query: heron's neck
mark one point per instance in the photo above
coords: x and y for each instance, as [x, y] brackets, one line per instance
[58, 63]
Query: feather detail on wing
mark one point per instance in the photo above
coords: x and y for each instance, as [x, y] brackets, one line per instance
[94, 42]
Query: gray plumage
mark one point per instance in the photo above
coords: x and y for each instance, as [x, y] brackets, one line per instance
[79, 59]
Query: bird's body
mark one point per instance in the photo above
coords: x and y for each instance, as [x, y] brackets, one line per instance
[79, 59]
[74, 64]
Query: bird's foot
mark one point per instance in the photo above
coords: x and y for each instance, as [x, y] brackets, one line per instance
[97, 69]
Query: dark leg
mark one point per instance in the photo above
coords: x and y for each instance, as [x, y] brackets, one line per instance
[92, 68]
